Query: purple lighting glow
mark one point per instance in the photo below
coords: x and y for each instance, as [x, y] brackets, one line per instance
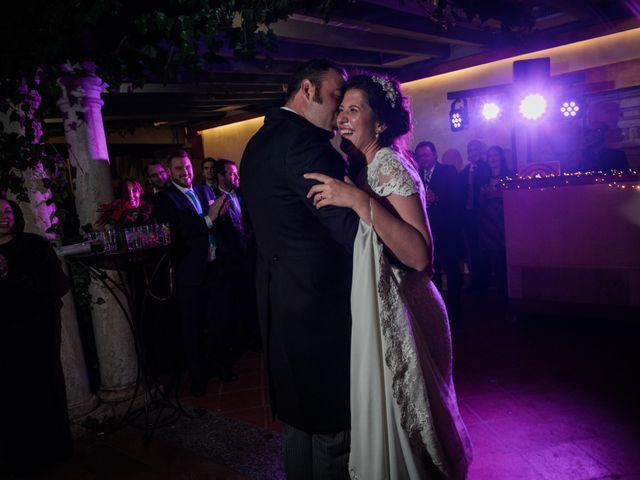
[490, 111]
[533, 106]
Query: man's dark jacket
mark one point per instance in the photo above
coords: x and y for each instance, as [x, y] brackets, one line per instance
[189, 232]
[233, 232]
[480, 179]
[445, 215]
[304, 269]
[444, 184]
[603, 159]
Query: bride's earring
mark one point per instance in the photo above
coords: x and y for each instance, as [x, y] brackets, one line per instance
[377, 134]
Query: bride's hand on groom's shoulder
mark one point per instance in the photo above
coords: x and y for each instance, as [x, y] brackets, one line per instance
[331, 191]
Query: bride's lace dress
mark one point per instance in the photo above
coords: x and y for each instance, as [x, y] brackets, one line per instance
[405, 419]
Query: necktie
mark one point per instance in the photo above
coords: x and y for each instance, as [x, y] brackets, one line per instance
[234, 203]
[198, 206]
[195, 201]
[235, 213]
[427, 177]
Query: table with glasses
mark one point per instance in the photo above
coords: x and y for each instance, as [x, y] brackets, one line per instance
[138, 255]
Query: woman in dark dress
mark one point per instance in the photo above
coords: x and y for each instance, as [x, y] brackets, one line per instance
[35, 424]
[492, 235]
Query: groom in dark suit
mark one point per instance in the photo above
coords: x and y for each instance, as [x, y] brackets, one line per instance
[191, 210]
[304, 272]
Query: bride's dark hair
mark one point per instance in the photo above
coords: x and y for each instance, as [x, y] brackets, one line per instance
[389, 105]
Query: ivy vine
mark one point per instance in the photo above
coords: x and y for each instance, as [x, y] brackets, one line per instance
[133, 42]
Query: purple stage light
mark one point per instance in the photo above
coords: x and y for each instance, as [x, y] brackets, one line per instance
[456, 120]
[533, 106]
[570, 109]
[490, 111]
[458, 116]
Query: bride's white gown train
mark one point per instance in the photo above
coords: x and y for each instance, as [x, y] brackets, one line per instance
[405, 422]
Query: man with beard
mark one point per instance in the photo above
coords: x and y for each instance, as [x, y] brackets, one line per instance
[191, 210]
[304, 272]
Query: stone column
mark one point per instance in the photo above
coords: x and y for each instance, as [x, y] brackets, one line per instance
[37, 215]
[81, 106]
[80, 400]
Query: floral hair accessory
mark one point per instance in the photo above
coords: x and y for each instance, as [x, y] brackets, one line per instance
[389, 90]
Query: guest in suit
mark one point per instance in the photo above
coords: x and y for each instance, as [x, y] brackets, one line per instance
[208, 172]
[227, 179]
[441, 186]
[304, 272]
[471, 180]
[156, 180]
[191, 211]
[159, 320]
[157, 177]
[597, 156]
[236, 258]
[453, 157]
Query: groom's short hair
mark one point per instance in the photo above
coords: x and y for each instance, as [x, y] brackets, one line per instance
[315, 71]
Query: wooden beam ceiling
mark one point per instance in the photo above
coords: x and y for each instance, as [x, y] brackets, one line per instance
[399, 38]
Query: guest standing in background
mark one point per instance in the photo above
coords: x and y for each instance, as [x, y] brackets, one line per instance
[128, 209]
[441, 188]
[159, 321]
[157, 177]
[208, 172]
[35, 425]
[191, 210]
[491, 228]
[596, 156]
[236, 259]
[130, 191]
[452, 157]
[471, 180]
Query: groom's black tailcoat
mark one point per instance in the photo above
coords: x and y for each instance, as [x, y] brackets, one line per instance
[303, 272]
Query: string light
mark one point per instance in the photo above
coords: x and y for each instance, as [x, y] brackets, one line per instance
[627, 179]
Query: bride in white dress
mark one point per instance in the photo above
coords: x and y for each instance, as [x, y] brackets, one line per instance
[405, 422]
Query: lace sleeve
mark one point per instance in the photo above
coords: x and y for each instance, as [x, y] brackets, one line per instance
[391, 173]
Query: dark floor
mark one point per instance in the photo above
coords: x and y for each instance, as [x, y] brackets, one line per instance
[543, 398]
[549, 398]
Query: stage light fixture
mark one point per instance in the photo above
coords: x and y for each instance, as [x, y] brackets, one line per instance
[490, 111]
[458, 116]
[570, 109]
[533, 106]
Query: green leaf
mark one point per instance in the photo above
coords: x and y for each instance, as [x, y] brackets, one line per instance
[149, 51]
